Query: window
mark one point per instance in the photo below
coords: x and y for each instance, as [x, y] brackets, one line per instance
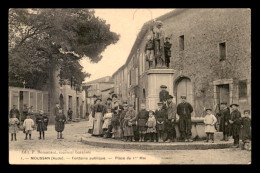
[222, 51]
[242, 89]
[181, 42]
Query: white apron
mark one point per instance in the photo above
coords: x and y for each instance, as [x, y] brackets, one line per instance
[97, 129]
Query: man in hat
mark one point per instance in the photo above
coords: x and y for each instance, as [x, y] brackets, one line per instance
[163, 95]
[224, 120]
[15, 112]
[171, 109]
[184, 110]
[167, 51]
[98, 112]
[235, 123]
[24, 113]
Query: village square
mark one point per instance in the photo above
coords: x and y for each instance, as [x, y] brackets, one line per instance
[182, 94]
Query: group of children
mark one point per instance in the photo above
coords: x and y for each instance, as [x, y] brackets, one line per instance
[233, 124]
[41, 123]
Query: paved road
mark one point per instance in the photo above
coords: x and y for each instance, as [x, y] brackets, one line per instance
[72, 151]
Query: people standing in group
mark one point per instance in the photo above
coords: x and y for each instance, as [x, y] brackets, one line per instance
[210, 121]
[142, 118]
[42, 123]
[170, 120]
[245, 131]
[160, 115]
[224, 125]
[235, 123]
[98, 112]
[184, 110]
[129, 119]
[28, 125]
[60, 120]
[151, 127]
[13, 126]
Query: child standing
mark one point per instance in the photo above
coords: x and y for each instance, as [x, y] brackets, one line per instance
[245, 131]
[160, 115]
[151, 126]
[107, 123]
[13, 126]
[60, 124]
[210, 121]
[141, 118]
[28, 125]
[42, 122]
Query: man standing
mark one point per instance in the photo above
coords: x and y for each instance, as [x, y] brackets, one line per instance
[70, 114]
[14, 111]
[224, 121]
[171, 110]
[163, 95]
[24, 113]
[235, 123]
[184, 110]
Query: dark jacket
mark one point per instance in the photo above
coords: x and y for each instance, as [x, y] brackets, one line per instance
[98, 108]
[42, 122]
[15, 112]
[163, 95]
[224, 118]
[60, 122]
[236, 125]
[184, 110]
[142, 117]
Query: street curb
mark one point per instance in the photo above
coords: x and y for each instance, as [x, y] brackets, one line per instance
[154, 146]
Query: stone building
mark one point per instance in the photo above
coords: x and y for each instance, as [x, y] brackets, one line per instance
[210, 61]
[101, 88]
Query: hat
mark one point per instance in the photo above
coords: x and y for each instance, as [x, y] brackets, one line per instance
[170, 97]
[167, 37]
[183, 97]
[223, 103]
[163, 86]
[109, 98]
[99, 99]
[114, 95]
[159, 103]
[234, 105]
[125, 104]
[209, 109]
[158, 22]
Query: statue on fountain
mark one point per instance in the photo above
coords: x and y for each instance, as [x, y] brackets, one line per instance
[157, 51]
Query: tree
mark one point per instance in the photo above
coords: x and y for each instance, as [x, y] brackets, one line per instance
[40, 40]
[46, 43]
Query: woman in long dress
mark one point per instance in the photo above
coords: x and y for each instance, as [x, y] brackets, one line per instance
[97, 114]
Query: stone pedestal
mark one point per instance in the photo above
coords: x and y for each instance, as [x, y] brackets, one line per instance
[156, 78]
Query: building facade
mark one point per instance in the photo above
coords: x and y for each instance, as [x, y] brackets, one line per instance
[211, 59]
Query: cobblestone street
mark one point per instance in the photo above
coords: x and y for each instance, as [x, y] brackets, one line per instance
[72, 144]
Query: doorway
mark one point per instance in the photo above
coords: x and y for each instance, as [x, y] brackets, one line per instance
[183, 87]
[223, 93]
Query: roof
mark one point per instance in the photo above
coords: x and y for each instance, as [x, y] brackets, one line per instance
[107, 89]
[144, 30]
[106, 79]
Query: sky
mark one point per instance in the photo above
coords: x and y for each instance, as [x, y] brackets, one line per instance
[127, 23]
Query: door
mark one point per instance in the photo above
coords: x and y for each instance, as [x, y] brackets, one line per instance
[223, 93]
[184, 88]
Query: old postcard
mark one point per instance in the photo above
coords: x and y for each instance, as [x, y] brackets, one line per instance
[129, 86]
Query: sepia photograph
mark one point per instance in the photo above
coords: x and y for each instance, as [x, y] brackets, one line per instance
[129, 86]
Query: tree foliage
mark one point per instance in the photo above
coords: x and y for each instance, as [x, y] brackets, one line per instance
[41, 40]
